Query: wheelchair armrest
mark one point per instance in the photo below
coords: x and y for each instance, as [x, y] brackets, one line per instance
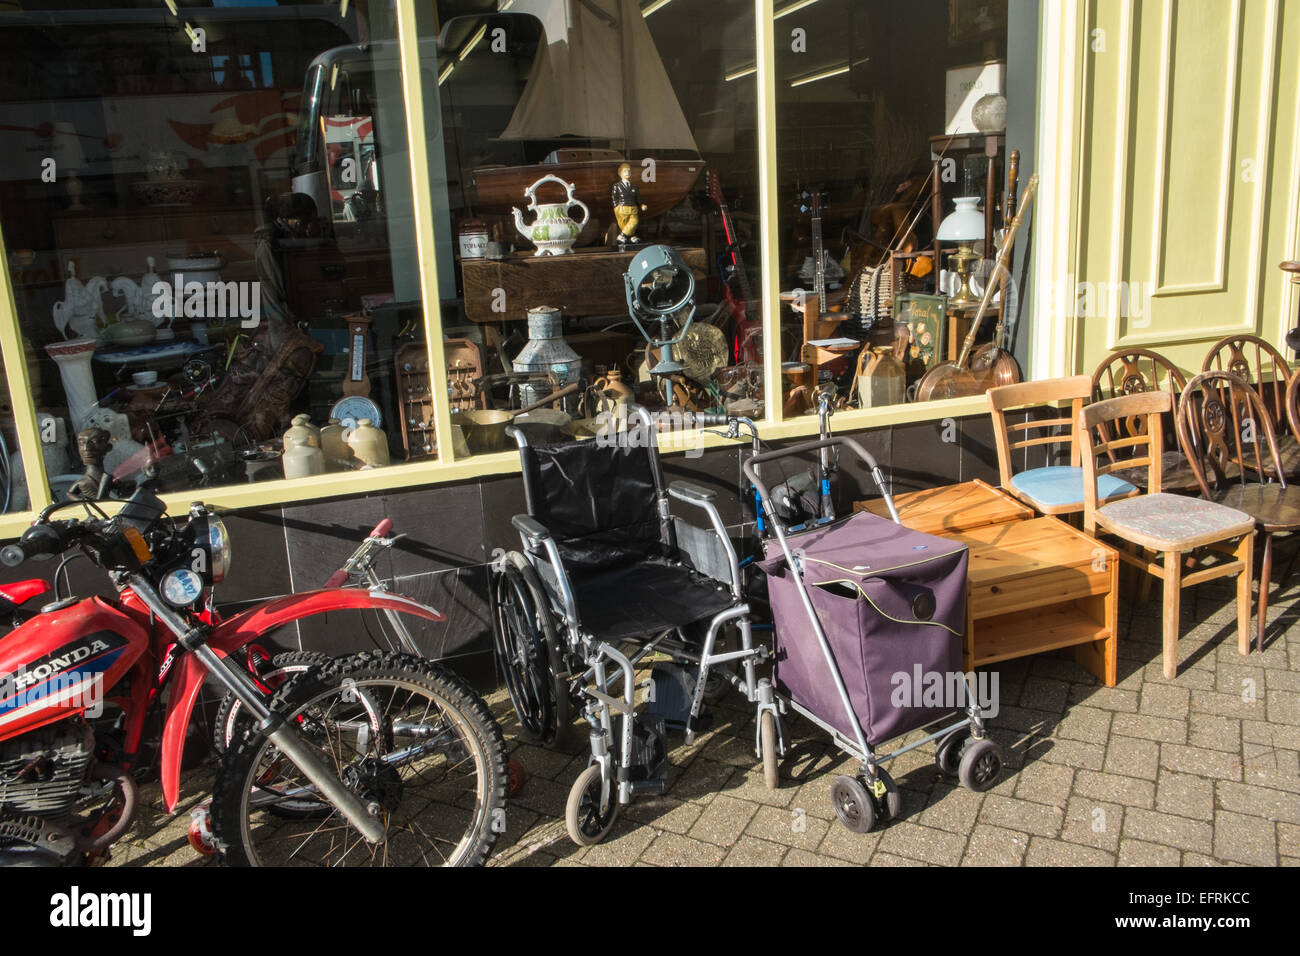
[530, 526]
[691, 492]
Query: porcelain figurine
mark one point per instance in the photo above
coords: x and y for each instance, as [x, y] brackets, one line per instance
[553, 231]
[627, 206]
[82, 310]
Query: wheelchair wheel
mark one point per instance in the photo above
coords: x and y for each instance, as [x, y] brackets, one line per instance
[768, 738]
[853, 804]
[587, 826]
[527, 651]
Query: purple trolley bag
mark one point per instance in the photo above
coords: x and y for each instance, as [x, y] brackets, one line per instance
[892, 603]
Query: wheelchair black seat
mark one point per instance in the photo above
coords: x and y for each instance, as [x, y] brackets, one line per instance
[644, 599]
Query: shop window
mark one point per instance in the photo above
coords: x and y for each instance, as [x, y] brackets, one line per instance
[893, 149]
[582, 143]
[211, 218]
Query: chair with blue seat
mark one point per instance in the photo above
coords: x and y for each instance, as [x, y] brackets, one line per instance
[1048, 489]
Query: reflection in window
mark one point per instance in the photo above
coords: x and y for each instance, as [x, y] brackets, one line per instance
[210, 235]
[577, 137]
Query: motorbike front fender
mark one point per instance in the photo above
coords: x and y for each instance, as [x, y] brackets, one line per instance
[238, 632]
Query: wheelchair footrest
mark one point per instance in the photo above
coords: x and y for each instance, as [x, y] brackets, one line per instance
[656, 786]
[648, 759]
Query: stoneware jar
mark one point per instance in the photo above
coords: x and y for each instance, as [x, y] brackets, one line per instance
[333, 442]
[369, 444]
[301, 459]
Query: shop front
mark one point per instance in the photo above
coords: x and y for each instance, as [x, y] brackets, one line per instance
[305, 262]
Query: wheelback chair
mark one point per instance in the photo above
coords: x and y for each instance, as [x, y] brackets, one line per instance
[609, 576]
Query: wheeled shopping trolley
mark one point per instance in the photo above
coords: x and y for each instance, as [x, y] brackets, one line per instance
[868, 621]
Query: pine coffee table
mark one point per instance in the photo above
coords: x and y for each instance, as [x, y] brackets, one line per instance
[1033, 584]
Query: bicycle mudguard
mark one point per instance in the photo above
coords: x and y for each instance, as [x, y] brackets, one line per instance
[237, 632]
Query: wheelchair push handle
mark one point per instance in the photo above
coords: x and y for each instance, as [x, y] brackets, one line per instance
[752, 466]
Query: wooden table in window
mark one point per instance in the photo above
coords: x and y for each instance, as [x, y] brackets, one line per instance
[1033, 584]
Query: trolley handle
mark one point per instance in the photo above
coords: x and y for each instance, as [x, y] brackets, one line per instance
[752, 466]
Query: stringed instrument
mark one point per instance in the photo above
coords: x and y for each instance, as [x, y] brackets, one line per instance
[746, 343]
[994, 358]
[955, 379]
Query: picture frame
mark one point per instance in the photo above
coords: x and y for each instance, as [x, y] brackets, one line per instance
[970, 21]
[926, 319]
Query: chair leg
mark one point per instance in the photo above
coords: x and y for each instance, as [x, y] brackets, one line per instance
[1246, 555]
[1144, 580]
[1172, 602]
[1265, 578]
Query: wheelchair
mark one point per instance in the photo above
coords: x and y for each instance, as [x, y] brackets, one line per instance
[609, 578]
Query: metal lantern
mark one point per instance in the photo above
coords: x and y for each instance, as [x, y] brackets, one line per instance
[546, 353]
[658, 286]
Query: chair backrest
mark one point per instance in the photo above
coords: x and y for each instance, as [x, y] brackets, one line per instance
[1293, 405]
[1011, 438]
[1140, 448]
[1129, 371]
[1223, 423]
[1259, 365]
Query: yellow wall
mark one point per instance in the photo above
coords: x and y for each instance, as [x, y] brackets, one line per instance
[1188, 173]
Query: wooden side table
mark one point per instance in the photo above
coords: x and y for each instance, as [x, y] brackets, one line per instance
[1033, 584]
[1040, 585]
[952, 508]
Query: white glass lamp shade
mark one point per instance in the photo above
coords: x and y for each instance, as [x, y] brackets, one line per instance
[966, 224]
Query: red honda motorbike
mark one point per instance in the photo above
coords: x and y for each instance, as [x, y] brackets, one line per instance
[376, 759]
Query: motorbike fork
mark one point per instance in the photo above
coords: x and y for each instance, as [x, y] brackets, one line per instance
[270, 723]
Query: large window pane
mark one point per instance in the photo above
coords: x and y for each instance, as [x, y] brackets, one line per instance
[212, 211]
[877, 105]
[548, 94]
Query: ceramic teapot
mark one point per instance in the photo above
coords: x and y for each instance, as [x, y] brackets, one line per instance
[553, 231]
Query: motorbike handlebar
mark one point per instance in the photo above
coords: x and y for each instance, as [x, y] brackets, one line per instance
[39, 541]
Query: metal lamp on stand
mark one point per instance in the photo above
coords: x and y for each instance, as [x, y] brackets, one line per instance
[659, 287]
[965, 226]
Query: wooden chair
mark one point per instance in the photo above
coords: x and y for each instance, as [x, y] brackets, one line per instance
[1263, 368]
[1221, 421]
[1130, 371]
[1174, 526]
[1049, 489]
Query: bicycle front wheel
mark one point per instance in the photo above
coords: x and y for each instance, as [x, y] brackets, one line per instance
[406, 736]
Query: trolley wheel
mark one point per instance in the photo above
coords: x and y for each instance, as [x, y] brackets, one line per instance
[981, 762]
[769, 740]
[947, 755]
[527, 650]
[890, 806]
[582, 816]
[853, 804]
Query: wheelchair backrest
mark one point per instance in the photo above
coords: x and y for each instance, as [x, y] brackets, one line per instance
[596, 498]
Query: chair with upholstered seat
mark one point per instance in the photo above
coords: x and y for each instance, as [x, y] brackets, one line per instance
[1174, 526]
[1140, 370]
[1221, 421]
[1049, 489]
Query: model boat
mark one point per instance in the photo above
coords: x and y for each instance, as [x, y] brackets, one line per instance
[597, 77]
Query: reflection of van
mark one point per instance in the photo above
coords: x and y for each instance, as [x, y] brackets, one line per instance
[351, 122]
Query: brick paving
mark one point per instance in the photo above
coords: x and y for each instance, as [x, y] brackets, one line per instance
[1202, 770]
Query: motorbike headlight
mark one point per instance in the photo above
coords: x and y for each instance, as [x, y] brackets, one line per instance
[211, 537]
[182, 587]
